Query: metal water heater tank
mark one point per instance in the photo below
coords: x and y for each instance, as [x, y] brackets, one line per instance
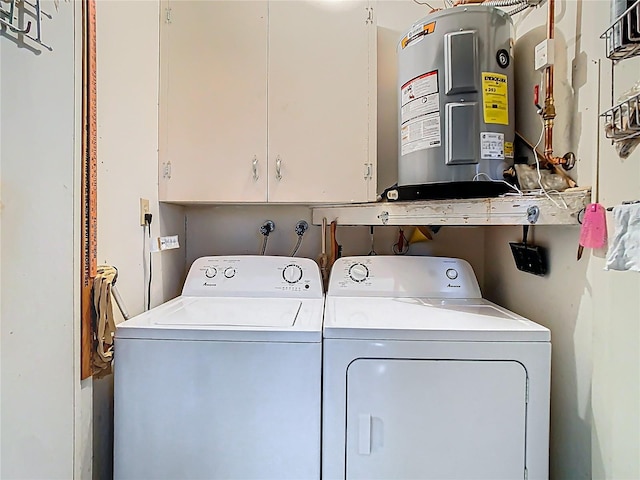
[456, 99]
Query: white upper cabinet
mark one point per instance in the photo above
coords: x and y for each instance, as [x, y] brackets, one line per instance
[213, 101]
[268, 101]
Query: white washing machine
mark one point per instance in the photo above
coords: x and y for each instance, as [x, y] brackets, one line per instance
[224, 381]
[424, 379]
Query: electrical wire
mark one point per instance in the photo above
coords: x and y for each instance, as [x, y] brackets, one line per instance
[150, 270]
[542, 189]
[482, 174]
[424, 3]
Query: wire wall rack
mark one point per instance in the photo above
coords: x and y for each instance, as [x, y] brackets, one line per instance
[622, 121]
[18, 18]
[622, 38]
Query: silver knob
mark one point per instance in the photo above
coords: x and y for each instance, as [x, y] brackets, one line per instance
[292, 273]
[451, 273]
[229, 272]
[358, 272]
[210, 272]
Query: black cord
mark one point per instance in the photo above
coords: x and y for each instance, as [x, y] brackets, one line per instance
[147, 221]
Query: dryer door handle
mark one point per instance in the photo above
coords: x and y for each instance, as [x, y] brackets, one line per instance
[364, 434]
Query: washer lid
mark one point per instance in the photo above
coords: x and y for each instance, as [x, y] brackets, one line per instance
[472, 320]
[230, 319]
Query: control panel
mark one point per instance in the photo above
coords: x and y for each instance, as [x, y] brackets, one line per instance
[403, 276]
[253, 276]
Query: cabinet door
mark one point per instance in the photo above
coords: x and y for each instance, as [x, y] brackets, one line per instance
[435, 420]
[321, 101]
[213, 101]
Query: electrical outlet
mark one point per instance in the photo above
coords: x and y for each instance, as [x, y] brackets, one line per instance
[144, 208]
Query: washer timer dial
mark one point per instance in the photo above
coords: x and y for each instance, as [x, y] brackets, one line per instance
[358, 272]
[210, 272]
[229, 272]
[292, 273]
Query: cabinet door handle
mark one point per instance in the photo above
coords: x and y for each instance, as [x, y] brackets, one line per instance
[278, 168]
[255, 168]
[367, 171]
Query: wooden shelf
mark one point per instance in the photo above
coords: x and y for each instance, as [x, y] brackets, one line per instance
[507, 210]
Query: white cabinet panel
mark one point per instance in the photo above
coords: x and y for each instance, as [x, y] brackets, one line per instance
[435, 419]
[213, 106]
[321, 101]
[284, 88]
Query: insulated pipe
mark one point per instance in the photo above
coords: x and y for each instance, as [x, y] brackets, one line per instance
[520, 8]
[492, 3]
[503, 3]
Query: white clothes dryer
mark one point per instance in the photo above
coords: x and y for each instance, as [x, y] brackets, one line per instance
[424, 379]
[224, 381]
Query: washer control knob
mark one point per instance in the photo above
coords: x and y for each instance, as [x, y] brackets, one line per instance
[358, 272]
[210, 272]
[292, 273]
[451, 273]
[229, 272]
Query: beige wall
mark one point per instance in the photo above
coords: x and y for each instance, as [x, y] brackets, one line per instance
[593, 315]
[44, 407]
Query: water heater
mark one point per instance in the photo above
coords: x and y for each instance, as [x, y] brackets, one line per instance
[456, 98]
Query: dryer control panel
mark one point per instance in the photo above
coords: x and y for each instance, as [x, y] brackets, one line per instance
[395, 276]
[253, 276]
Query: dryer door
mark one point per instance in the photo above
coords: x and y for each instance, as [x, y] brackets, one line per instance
[435, 419]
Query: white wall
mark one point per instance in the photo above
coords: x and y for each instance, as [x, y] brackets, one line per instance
[593, 315]
[43, 405]
[128, 65]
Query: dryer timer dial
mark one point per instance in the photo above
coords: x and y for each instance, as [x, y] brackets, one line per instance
[358, 272]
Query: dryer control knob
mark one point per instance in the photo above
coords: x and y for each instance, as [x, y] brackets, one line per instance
[451, 273]
[230, 272]
[210, 272]
[292, 273]
[358, 272]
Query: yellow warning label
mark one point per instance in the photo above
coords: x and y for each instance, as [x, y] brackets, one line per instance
[508, 149]
[495, 98]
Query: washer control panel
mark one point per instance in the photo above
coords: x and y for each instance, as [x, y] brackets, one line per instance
[403, 276]
[257, 276]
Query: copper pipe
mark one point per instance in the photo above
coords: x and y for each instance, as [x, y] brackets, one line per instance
[549, 112]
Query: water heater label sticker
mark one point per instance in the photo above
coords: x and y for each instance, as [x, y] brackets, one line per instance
[424, 85]
[420, 113]
[492, 146]
[421, 133]
[495, 98]
[508, 149]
